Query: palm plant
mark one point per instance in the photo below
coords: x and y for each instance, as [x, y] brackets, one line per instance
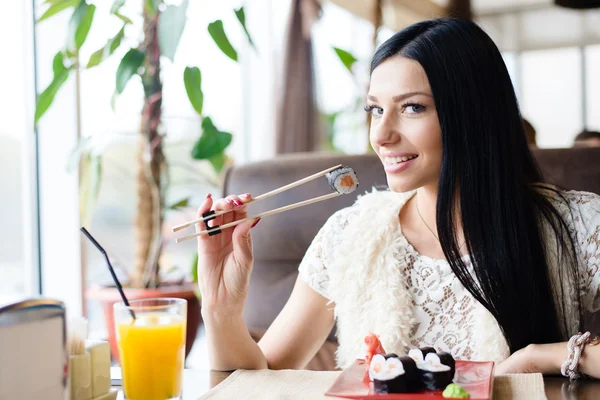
[162, 27]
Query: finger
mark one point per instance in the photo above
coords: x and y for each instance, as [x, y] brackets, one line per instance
[245, 198]
[242, 241]
[216, 206]
[241, 212]
[239, 209]
[234, 203]
[204, 207]
[228, 204]
[236, 200]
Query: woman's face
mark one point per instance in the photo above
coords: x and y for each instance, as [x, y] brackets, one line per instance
[405, 130]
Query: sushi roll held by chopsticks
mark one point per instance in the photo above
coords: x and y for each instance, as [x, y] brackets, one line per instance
[341, 179]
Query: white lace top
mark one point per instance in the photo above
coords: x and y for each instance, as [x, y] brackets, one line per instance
[365, 267]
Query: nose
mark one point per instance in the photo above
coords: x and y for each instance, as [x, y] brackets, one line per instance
[384, 131]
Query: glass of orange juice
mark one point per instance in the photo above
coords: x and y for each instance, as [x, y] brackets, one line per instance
[151, 342]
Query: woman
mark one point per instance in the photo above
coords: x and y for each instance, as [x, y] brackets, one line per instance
[468, 252]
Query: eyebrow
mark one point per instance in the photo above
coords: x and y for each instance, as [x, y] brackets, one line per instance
[401, 97]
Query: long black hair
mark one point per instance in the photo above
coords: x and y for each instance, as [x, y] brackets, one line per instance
[487, 162]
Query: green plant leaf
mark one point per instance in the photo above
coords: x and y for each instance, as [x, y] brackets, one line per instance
[218, 161]
[115, 10]
[130, 63]
[346, 58]
[57, 6]
[58, 65]
[96, 58]
[51, 2]
[217, 32]
[180, 204]
[45, 99]
[104, 52]
[241, 16]
[211, 142]
[116, 6]
[170, 27]
[115, 42]
[123, 18]
[193, 86]
[80, 24]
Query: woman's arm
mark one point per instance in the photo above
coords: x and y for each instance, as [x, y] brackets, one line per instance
[299, 330]
[225, 263]
[548, 358]
[230, 345]
[291, 341]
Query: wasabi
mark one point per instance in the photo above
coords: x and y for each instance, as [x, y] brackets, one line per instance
[454, 391]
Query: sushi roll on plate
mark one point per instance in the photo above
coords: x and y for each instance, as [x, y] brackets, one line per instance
[419, 354]
[393, 374]
[447, 359]
[435, 375]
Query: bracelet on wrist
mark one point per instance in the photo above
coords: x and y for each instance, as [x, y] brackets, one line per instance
[576, 346]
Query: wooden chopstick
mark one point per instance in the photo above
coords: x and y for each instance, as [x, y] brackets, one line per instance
[261, 197]
[261, 215]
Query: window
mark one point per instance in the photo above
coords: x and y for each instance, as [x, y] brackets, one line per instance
[338, 90]
[511, 60]
[551, 94]
[592, 88]
[18, 210]
[553, 58]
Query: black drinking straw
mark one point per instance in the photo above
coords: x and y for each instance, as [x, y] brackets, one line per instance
[110, 268]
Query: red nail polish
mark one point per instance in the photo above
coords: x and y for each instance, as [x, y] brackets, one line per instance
[246, 195]
[237, 203]
[255, 223]
[208, 195]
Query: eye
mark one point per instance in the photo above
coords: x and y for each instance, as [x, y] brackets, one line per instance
[374, 110]
[413, 108]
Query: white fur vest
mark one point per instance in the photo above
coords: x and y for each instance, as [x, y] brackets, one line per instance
[370, 295]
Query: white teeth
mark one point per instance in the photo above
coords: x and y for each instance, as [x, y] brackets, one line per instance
[396, 160]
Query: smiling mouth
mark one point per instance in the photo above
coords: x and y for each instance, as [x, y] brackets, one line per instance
[398, 160]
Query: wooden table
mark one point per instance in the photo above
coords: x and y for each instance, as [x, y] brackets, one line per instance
[558, 388]
[197, 382]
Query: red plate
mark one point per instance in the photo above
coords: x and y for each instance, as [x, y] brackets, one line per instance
[474, 376]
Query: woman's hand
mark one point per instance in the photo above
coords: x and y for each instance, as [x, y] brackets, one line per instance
[520, 362]
[225, 260]
[543, 358]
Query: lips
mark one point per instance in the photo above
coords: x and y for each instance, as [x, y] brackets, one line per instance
[398, 163]
[398, 159]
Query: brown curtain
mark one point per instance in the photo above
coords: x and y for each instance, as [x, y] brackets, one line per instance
[459, 9]
[298, 120]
